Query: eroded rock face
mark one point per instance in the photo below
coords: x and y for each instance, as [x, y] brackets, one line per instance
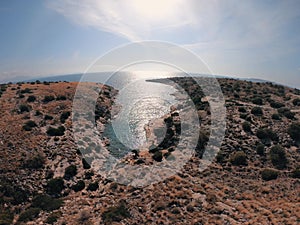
[32, 162]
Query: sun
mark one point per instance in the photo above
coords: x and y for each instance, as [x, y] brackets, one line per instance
[156, 10]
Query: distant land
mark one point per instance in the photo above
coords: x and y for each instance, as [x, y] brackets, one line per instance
[77, 76]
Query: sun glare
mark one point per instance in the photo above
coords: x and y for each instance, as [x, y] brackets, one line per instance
[156, 10]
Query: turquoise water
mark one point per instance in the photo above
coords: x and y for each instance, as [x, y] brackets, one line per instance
[140, 101]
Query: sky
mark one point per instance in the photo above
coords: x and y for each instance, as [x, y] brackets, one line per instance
[253, 39]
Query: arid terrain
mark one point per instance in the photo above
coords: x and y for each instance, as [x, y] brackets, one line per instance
[253, 180]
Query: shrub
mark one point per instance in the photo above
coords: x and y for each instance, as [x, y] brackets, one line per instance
[269, 174]
[31, 98]
[24, 108]
[257, 101]
[276, 105]
[296, 173]
[48, 117]
[286, 112]
[278, 157]
[88, 175]
[55, 186]
[51, 219]
[29, 214]
[79, 186]
[46, 202]
[6, 218]
[242, 110]
[61, 98]
[294, 131]
[85, 164]
[157, 156]
[116, 213]
[70, 172]
[276, 116]
[93, 186]
[238, 158]
[220, 157]
[202, 142]
[260, 149]
[64, 116]
[60, 131]
[48, 98]
[257, 111]
[26, 90]
[36, 162]
[38, 113]
[14, 194]
[289, 115]
[296, 102]
[246, 126]
[29, 125]
[84, 217]
[266, 134]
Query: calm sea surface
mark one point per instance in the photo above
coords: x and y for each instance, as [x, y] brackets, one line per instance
[140, 101]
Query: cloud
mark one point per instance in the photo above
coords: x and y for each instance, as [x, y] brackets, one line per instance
[229, 24]
[132, 19]
[233, 37]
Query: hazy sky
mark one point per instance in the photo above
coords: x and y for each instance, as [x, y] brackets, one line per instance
[258, 39]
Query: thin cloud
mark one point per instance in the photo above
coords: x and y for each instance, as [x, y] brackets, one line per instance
[132, 19]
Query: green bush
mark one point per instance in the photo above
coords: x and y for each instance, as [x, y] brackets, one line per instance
[88, 175]
[48, 98]
[276, 116]
[85, 164]
[38, 113]
[61, 98]
[278, 157]
[24, 108]
[12, 193]
[26, 91]
[6, 217]
[70, 172]
[276, 105]
[52, 131]
[48, 117]
[46, 202]
[257, 101]
[116, 213]
[242, 109]
[202, 142]
[266, 134]
[53, 217]
[296, 173]
[269, 174]
[220, 157]
[93, 186]
[260, 149]
[294, 131]
[286, 112]
[296, 102]
[64, 116]
[29, 214]
[79, 186]
[31, 98]
[55, 186]
[35, 162]
[29, 125]
[238, 158]
[246, 126]
[157, 156]
[257, 111]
